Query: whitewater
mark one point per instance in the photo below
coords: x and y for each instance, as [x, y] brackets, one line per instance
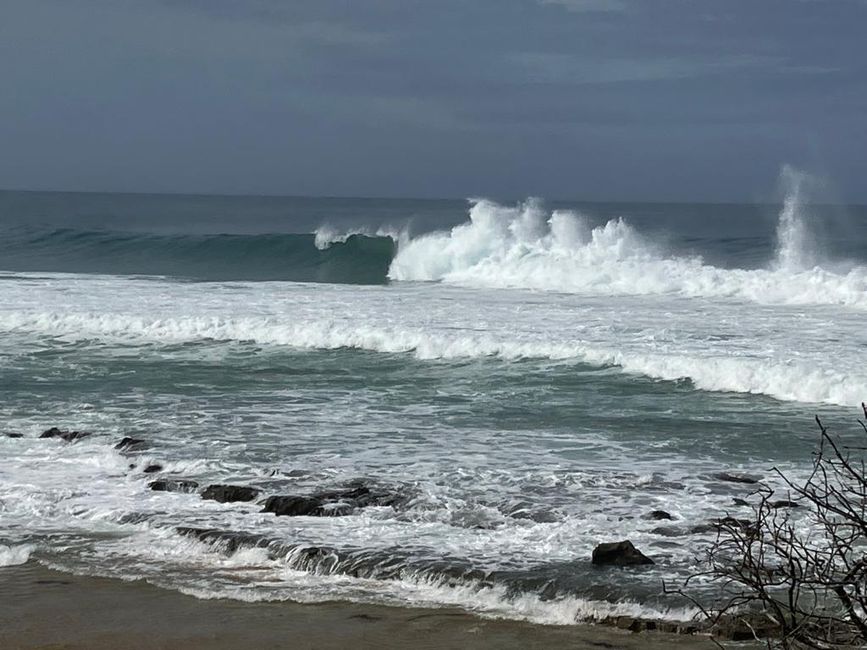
[529, 379]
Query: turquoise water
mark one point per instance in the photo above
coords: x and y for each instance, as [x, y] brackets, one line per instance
[531, 379]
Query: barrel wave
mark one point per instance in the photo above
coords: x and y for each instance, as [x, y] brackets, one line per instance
[357, 259]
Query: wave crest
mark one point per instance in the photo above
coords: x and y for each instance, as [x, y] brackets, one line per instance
[526, 247]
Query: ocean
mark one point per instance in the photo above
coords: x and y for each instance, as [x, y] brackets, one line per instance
[505, 383]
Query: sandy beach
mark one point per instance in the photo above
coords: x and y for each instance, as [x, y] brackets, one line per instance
[41, 608]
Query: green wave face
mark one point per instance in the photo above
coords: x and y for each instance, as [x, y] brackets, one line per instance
[360, 259]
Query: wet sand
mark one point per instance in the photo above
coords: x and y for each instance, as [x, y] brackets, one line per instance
[41, 608]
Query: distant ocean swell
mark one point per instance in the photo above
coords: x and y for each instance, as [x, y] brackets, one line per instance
[356, 259]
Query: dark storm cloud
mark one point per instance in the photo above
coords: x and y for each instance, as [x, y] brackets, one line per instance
[682, 99]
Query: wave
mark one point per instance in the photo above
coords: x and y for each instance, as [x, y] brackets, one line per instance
[782, 379]
[14, 555]
[525, 246]
[347, 259]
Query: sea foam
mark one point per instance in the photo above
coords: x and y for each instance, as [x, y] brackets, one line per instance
[14, 555]
[525, 246]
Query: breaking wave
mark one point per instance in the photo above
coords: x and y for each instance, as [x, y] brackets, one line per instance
[783, 379]
[14, 555]
[525, 246]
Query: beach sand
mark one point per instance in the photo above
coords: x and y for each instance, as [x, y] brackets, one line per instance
[41, 608]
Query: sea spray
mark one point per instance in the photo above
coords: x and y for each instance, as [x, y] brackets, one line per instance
[794, 249]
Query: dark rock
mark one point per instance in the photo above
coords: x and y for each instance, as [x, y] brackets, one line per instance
[293, 506]
[332, 503]
[14, 435]
[131, 444]
[735, 478]
[173, 485]
[619, 554]
[151, 469]
[785, 504]
[66, 436]
[226, 540]
[741, 502]
[229, 493]
[658, 515]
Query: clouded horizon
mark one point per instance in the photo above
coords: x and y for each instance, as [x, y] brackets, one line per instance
[586, 99]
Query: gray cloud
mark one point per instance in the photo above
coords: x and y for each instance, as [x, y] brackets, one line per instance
[669, 99]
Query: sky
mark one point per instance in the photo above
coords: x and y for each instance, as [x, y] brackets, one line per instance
[658, 100]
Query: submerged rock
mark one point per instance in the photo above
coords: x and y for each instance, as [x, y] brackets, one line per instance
[173, 485]
[741, 502]
[151, 469]
[735, 478]
[131, 444]
[669, 531]
[619, 554]
[14, 435]
[785, 503]
[66, 436]
[229, 493]
[228, 541]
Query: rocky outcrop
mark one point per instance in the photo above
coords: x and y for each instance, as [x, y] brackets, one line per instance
[131, 444]
[294, 506]
[173, 485]
[228, 541]
[65, 435]
[229, 493]
[333, 503]
[619, 554]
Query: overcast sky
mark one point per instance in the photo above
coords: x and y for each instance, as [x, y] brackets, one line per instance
[588, 99]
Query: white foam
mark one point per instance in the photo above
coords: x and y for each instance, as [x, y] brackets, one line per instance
[327, 235]
[15, 554]
[828, 375]
[524, 246]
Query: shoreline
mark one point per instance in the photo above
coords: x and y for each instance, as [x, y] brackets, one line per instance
[43, 608]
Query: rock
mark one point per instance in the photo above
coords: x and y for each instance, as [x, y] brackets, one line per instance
[131, 444]
[784, 503]
[745, 525]
[619, 554]
[658, 515]
[741, 502]
[14, 435]
[151, 469]
[173, 485]
[226, 540]
[332, 503]
[66, 436]
[294, 506]
[735, 478]
[229, 493]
